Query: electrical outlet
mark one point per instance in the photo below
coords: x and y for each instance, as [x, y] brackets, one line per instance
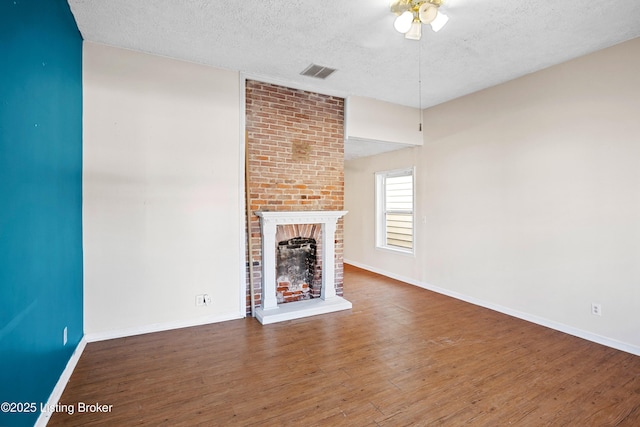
[199, 300]
[64, 336]
[207, 299]
[596, 309]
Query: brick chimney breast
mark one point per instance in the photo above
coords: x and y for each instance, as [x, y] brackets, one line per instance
[296, 160]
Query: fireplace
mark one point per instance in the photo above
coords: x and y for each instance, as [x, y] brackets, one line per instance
[275, 309]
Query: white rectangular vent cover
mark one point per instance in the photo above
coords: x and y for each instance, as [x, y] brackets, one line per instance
[317, 71]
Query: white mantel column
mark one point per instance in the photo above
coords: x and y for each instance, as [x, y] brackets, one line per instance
[328, 259]
[269, 300]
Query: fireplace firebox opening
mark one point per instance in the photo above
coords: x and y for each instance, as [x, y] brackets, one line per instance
[295, 269]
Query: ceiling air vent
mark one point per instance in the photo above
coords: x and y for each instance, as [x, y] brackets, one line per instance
[317, 71]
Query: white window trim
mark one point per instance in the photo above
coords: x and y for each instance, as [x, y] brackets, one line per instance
[380, 234]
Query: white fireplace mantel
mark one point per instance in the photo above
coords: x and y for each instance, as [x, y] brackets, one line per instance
[271, 312]
[300, 217]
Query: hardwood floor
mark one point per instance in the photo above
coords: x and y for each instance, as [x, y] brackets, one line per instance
[402, 356]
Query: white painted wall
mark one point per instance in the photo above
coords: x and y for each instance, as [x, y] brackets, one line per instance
[162, 202]
[530, 197]
[374, 120]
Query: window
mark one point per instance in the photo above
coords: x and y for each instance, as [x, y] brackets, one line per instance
[394, 210]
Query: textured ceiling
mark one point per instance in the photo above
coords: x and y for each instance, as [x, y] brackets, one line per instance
[486, 42]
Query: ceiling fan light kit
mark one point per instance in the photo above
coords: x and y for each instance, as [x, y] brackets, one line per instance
[413, 13]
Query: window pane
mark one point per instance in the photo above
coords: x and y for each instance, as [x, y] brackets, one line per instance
[400, 230]
[399, 193]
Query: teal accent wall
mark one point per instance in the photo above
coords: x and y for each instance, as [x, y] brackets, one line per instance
[40, 199]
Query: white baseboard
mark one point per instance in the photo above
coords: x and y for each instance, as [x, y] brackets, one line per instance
[618, 345]
[56, 394]
[159, 327]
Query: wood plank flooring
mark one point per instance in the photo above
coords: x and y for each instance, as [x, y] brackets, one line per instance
[402, 356]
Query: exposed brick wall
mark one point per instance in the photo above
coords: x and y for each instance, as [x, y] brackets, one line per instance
[296, 160]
